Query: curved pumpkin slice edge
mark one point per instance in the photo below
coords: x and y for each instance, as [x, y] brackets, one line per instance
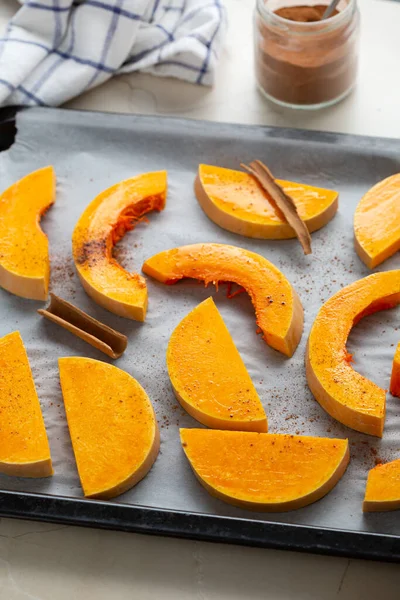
[395, 377]
[24, 447]
[382, 492]
[104, 222]
[236, 202]
[208, 375]
[24, 256]
[112, 424]
[255, 470]
[278, 309]
[346, 395]
[377, 222]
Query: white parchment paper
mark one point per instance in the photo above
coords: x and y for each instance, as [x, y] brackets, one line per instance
[90, 152]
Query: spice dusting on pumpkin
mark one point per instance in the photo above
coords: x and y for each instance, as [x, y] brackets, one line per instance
[24, 256]
[208, 375]
[282, 324]
[237, 202]
[24, 448]
[377, 222]
[345, 394]
[105, 221]
[383, 488]
[92, 252]
[263, 471]
[112, 424]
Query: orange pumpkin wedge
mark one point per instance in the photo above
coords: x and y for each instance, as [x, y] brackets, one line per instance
[24, 248]
[377, 222]
[383, 488]
[112, 424]
[208, 375]
[236, 202]
[279, 312]
[24, 448]
[265, 471]
[395, 378]
[103, 223]
[345, 394]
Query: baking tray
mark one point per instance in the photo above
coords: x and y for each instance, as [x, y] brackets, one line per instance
[351, 164]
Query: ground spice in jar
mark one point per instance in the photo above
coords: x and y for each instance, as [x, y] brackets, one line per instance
[301, 60]
[303, 14]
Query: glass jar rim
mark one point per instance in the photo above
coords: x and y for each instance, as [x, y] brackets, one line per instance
[308, 27]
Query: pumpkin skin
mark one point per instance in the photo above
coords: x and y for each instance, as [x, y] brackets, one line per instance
[24, 248]
[345, 394]
[382, 492]
[377, 222]
[103, 223]
[279, 312]
[112, 424]
[265, 471]
[208, 375]
[236, 202]
[24, 448]
[395, 378]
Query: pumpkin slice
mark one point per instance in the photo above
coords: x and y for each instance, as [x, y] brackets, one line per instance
[377, 222]
[112, 424]
[24, 248]
[236, 202]
[208, 375]
[265, 471]
[278, 308]
[395, 378]
[345, 394]
[24, 448]
[103, 223]
[383, 488]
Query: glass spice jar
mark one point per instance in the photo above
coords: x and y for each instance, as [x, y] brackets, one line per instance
[302, 61]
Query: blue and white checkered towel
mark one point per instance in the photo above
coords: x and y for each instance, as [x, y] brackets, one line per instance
[54, 50]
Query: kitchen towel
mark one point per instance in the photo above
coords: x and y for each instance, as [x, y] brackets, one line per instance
[54, 50]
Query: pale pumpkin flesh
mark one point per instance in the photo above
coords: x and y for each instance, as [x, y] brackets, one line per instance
[208, 375]
[383, 488]
[395, 378]
[265, 471]
[103, 223]
[279, 312]
[377, 222]
[345, 394]
[236, 202]
[24, 248]
[112, 424]
[24, 448]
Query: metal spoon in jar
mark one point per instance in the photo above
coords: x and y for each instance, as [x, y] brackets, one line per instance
[330, 9]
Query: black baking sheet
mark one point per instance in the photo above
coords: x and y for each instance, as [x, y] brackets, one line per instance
[91, 151]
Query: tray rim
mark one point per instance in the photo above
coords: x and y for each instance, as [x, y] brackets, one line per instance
[8, 116]
[195, 525]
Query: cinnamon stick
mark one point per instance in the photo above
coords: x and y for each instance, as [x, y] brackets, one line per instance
[282, 200]
[84, 326]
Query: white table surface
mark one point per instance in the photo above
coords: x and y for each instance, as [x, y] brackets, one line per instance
[49, 562]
